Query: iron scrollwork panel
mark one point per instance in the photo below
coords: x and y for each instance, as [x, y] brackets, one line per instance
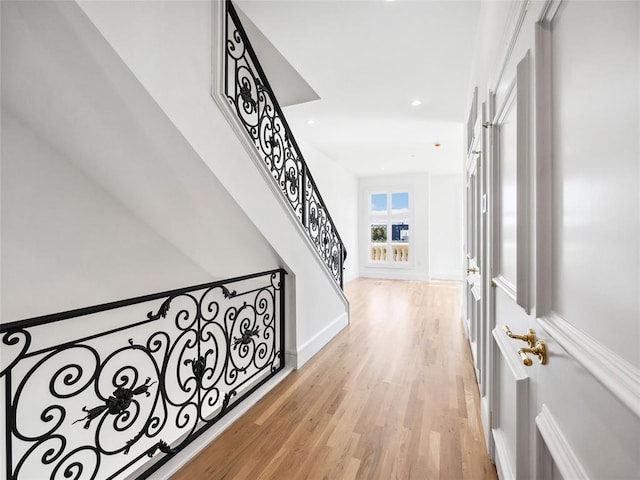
[250, 97]
[256, 108]
[99, 406]
[322, 231]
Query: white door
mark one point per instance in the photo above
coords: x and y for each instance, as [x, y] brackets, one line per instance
[474, 241]
[477, 279]
[564, 244]
[588, 240]
[473, 285]
[509, 209]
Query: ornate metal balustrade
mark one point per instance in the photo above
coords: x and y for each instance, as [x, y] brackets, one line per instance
[115, 390]
[250, 96]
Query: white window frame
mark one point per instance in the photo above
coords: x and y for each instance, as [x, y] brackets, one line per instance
[389, 219]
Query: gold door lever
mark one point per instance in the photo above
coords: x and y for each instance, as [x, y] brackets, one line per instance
[540, 350]
[472, 270]
[529, 337]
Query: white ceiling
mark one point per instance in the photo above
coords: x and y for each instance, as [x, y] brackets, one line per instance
[368, 60]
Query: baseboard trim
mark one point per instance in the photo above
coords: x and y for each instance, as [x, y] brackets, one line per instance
[447, 276]
[312, 346]
[505, 471]
[348, 278]
[485, 418]
[395, 274]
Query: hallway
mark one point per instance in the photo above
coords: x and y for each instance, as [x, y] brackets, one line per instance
[393, 396]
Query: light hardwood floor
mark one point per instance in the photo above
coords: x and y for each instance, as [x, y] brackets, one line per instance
[393, 396]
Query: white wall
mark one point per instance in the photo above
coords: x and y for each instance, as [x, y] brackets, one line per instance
[445, 227]
[167, 46]
[418, 187]
[102, 199]
[436, 228]
[339, 189]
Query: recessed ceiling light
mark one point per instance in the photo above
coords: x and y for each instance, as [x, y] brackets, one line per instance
[415, 103]
[311, 122]
[382, 168]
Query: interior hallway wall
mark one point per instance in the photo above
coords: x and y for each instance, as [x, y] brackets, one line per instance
[445, 227]
[102, 199]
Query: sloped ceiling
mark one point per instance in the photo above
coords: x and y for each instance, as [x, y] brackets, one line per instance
[368, 60]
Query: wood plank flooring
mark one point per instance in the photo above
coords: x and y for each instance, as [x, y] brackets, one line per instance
[393, 396]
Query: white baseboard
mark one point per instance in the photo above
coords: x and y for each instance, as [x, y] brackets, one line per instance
[182, 458]
[447, 276]
[312, 346]
[485, 416]
[505, 472]
[291, 358]
[395, 274]
[351, 276]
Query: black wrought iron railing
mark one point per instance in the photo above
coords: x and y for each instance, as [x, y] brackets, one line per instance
[250, 96]
[94, 393]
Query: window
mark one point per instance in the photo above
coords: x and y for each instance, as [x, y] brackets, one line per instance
[389, 231]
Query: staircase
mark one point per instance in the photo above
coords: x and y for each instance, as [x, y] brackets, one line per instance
[121, 175]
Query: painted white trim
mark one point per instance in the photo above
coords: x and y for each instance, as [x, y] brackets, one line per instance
[505, 472]
[348, 278]
[558, 446]
[619, 377]
[218, 45]
[447, 276]
[396, 275]
[502, 110]
[549, 11]
[476, 291]
[191, 450]
[291, 357]
[521, 407]
[511, 36]
[503, 284]
[470, 124]
[544, 170]
[518, 92]
[312, 346]
[510, 357]
[523, 169]
[485, 417]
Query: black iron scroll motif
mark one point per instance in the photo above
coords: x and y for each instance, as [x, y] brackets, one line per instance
[93, 393]
[250, 96]
[117, 403]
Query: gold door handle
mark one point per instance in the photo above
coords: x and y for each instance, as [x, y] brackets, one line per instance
[472, 270]
[540, 350]
[529, 337]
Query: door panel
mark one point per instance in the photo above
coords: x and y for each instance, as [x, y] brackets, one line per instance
[511, 395]
[510, 411]
[588, 237]
[507, 147]
[563, 242]
[595, 171]
[474, 239]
